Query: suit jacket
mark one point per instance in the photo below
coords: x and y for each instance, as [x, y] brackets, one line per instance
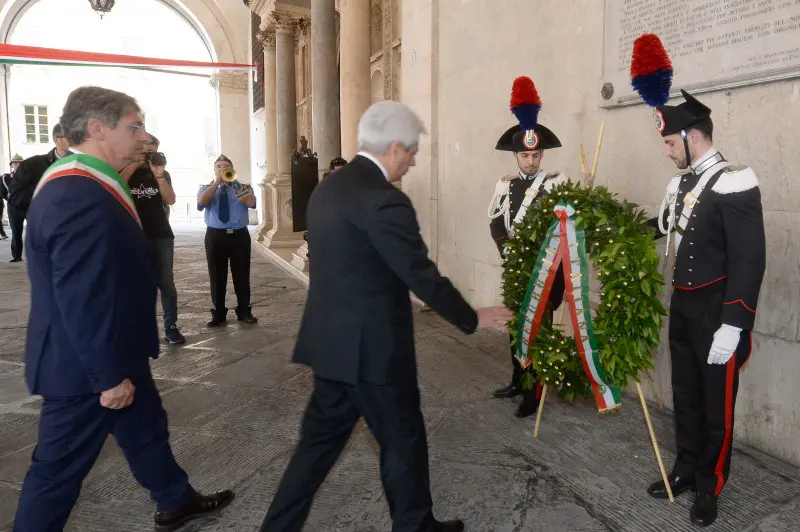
[367, 254]
[27, 176]
[93, 293]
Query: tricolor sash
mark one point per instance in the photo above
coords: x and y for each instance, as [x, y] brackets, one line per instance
[565, 245]
[93, 168]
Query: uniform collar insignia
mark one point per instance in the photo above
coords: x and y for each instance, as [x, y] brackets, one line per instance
[709, 159]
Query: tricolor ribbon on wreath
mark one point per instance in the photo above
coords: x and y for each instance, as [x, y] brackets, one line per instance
[565, 243]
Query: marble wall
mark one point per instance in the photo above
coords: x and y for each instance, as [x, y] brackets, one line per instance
[459, 61]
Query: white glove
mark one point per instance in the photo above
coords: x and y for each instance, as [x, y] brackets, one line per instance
[726, 340]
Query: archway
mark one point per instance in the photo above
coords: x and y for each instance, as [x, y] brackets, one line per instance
[187, 113]
[377, 88]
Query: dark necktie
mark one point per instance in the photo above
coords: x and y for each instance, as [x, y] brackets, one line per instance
[224, 206]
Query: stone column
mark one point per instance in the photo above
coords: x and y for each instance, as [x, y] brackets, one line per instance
[354, 58]
[325, 108]
[267, 38]
[234, 105]
[281, 234]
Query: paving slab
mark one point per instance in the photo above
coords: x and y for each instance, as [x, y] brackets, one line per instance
[235, 401]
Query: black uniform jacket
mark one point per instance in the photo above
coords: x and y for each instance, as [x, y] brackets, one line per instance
[27, 176]
[368, 253]
[517, 187]
[723, 241]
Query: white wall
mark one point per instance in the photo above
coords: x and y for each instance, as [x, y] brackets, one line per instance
[481, 49]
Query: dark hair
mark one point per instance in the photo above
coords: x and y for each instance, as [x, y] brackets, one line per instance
[705, 127]
[337, 161]
[154, 140]
[58, 131]
[102, 104]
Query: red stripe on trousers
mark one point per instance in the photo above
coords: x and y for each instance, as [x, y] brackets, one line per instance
[723, 454]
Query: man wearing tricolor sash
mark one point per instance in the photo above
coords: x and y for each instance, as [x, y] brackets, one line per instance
[514, 195]
[92, 327]
[714, 210]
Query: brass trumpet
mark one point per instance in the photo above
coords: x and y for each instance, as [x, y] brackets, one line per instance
[229, 175]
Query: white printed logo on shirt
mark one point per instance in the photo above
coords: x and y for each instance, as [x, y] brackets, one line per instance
[144, 192]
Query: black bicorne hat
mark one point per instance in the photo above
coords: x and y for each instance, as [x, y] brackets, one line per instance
[514, 139]
[674, 119]
[529, 134]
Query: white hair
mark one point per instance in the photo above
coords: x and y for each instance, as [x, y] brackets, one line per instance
[387, 122]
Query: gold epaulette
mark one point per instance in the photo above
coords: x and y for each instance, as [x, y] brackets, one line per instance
[508, 178]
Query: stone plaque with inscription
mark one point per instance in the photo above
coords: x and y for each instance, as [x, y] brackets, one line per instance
[713, 44]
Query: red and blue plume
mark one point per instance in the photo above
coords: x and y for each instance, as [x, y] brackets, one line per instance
[525, 102]
[651, 70]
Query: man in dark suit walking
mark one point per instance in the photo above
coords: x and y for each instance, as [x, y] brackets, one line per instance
[92, 327]
[357, 332]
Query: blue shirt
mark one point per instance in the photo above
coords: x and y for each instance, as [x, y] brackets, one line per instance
[239, 215]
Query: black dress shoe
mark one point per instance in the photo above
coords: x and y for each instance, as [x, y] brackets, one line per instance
[217, 318]
[247, 318]
[16, 259]
[448, 526]
[512, 390]
[200, 505]
[527, 407]
[678, 485]
[245, 314]
[704, 511]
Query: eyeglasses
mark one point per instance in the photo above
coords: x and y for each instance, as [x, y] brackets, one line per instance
[139, 127]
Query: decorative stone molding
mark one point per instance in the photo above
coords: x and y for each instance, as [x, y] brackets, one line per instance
[375, 16]
[262, 8]
[284, 22]
[302, 32]
[388, 38]
[267, 39]
[230, 80]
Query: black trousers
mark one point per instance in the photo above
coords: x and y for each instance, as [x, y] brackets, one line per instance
[2, 208]
[704, 394]
[16, 219]
[395, 419]
[223, 246]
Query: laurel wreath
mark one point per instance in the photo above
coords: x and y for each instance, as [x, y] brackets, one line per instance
[628, 322]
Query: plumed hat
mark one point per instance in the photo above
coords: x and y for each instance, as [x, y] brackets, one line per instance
[651, 77]
[528, 134]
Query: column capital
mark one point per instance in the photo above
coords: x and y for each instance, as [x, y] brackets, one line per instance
[266, 38]
[284, 22]
[303, 26]
[230, 80]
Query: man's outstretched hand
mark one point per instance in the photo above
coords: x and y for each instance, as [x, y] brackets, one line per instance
[493, 317]
[118, 397]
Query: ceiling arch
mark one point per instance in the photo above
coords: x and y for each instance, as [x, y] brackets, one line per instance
[205, 16]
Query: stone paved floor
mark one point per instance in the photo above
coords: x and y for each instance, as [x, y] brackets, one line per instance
[234, 402]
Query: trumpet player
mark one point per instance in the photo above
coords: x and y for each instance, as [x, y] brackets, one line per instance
[226, 203]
